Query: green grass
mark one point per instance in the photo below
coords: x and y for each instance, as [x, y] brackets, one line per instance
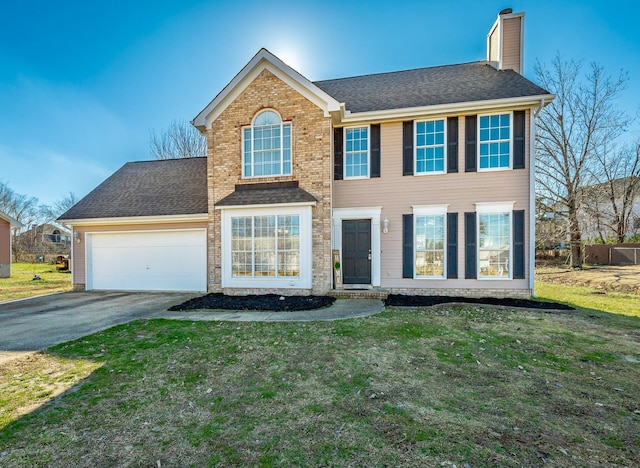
[21, 283]
[420, 387]
[590, 298]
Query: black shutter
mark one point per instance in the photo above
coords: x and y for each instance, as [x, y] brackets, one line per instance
[407, 148]
[452, 245]
[518, 140]
[337, 153]
[375, 150]
[471, 271]
[470, 143]
[407, 246]
[518, 244]
[452, 144]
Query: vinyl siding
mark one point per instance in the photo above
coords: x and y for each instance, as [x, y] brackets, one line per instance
[79, 253]
[397, 193]
[494, 45]
[511, 49]
[5, 241]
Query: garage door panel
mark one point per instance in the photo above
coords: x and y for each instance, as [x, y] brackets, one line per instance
[148, 261]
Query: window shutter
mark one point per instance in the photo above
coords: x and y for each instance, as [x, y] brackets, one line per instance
[452, 245]
[337, 153]
[407, 246]
[518, 244]
[452, 144]
[375, 150]
[470, 143]
[518, 140]
[407, 148]
[471, 272]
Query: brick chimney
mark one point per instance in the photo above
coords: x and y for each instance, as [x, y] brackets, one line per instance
[504, 41]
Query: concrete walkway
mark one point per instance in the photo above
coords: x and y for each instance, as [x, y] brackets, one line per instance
[341, 309]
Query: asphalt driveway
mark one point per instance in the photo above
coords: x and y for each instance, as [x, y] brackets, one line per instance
[40, 322]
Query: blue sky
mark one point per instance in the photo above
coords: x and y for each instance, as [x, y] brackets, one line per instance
[82, 83]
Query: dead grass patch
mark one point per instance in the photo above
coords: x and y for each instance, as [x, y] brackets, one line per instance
[416, 387]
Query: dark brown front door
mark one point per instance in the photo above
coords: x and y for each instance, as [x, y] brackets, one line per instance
[356, 251]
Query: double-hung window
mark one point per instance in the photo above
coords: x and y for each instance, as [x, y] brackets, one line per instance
[494, 241]
[356, 153]
[430, 241]
[430, 147]
[266, 146]
[494, 142]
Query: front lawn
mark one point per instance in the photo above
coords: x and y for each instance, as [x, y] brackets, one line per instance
[409, 387]
[21, 283]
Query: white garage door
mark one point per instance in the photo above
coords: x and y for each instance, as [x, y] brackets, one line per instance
[148, 261]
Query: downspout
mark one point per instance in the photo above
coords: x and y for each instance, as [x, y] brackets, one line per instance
[532, 195]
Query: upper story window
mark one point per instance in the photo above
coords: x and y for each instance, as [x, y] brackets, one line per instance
[266, 146]
[356, 153]
[430, 147]
[494, 141]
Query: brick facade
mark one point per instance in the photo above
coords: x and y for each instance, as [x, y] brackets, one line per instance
[311, 167]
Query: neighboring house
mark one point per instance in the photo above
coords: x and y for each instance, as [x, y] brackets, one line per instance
[42, 241]
[7, 224]
[419, 181]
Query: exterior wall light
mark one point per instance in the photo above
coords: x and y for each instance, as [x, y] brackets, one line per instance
[76, 237]
[385, 225]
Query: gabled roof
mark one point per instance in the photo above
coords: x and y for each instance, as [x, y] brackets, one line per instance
[261, 61]
[147, 188]
[422, 87]
[14, 223]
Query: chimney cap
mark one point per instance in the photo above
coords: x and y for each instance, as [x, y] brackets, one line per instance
[506, 11]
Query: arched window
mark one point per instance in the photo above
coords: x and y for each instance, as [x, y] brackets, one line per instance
[266, 146]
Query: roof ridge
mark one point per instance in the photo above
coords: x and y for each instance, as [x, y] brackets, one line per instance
[163, 160]
[483, 62]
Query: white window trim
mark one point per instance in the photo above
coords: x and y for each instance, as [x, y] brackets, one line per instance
[304, 281]
[494, 169]
[282, 124]
[494, 208]
[415, 148]
[430, 210]
[373, 213]
[344, 152]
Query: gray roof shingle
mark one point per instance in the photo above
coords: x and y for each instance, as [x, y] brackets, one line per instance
[465, 82]
[148, 188]
[274, 193]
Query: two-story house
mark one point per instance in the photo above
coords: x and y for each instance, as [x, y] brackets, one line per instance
[417, 181]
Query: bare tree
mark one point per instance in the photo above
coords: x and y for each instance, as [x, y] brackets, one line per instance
[179, 140]
[60, 206]
[611, 202]
[22, 208]
[572, 131]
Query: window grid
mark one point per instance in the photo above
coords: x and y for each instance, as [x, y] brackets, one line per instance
[430, 144]
[430, 246]
[494, 245]
[357, 152]
[265, 246]
[495, 141]
[267, 146]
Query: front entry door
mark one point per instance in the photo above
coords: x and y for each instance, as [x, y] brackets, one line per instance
[356, 251]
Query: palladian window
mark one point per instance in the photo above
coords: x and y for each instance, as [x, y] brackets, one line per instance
[266, 146]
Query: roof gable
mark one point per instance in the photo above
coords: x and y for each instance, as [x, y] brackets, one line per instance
[261, 61]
